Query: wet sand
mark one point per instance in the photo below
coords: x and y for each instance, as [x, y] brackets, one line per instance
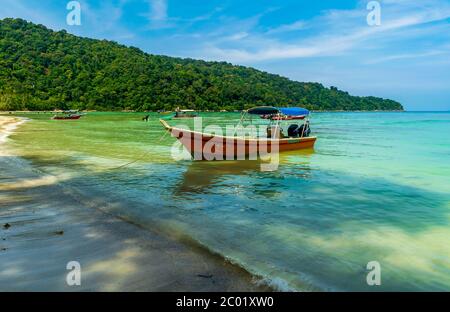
[44, 225]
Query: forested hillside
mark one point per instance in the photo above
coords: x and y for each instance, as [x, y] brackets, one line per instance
[42, 70]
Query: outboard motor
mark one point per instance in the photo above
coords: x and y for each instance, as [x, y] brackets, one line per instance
[305, 130]
[293, 131]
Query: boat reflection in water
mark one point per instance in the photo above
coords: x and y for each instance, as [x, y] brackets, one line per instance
[201, 176]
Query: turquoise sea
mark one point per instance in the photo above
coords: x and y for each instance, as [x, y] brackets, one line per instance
[375, 188]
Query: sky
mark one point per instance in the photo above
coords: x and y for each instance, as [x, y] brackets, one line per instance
[406, 57]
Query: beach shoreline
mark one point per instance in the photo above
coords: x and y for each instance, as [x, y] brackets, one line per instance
[44, 226]
[8, 125]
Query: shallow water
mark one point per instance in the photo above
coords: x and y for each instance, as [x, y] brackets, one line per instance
[376, 188]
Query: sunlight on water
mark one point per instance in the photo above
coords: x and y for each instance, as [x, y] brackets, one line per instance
[375, 188]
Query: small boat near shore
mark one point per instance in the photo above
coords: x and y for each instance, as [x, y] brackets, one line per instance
[288, 113]
[68, 115]
[71, 117]
[204, 146]
[185, 113]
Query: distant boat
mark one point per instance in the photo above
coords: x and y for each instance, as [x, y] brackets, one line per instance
[185, 113]
[68, 115]
[298, 137]
[287, 117]
[288, 113]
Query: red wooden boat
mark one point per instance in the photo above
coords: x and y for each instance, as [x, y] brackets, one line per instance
[66, 117]
[203, 146]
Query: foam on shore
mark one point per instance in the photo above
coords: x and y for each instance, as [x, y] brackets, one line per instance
[8, 125]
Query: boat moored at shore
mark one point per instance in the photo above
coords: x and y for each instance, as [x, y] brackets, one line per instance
[205, 146]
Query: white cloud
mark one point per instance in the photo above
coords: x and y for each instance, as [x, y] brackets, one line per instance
[404, 56]
[158, 16]
[96, 26]
[298, 25]
[158, 10]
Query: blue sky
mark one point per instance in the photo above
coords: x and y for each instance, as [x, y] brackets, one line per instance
[406, 58]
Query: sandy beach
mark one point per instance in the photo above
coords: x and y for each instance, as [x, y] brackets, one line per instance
[44, 225]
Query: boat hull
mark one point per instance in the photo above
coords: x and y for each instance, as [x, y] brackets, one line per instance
[210, 147]
[66, 118]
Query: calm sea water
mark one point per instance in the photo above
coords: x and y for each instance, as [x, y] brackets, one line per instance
[376, 188]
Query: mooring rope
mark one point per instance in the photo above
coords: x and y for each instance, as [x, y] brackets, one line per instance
[144, 155]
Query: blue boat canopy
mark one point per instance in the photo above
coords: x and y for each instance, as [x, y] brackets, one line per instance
[294, 111]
